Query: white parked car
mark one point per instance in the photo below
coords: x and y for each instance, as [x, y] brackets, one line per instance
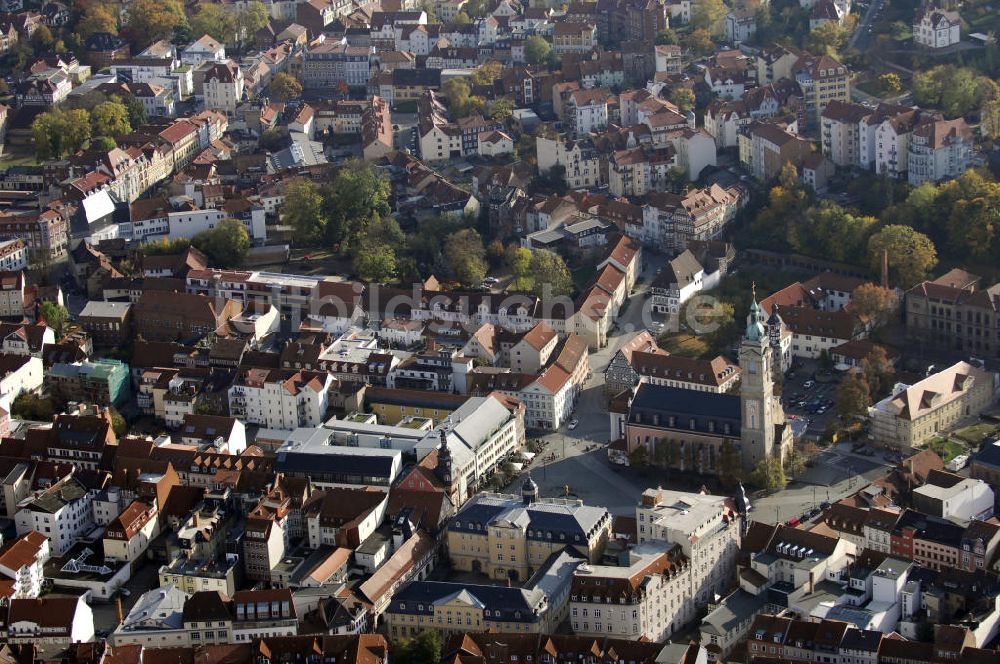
[573, 424]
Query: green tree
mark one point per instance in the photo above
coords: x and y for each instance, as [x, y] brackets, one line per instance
[721, 329]
[730, 464]
[118, 423]
[795, 463]
[918, 210]
[478, 8]
[103, 143]
[136, 110]
[250, 19]
[639, 457]
[165, 247]
[890, 82]
[431, 10]
[274, 139]
[672, 456]
[183, 34]
[831, 231]
[769, 474]
[683, 97]
[828, 38]
[777, 224]
[426, 245]
[765, 25]
[487, 73]
[519, 261]
[60, 132]
[42, 39]
[496, 253]
[427, 647]
[356, 196]
[709, 15]
[32, 407]
[385, 230]
[550, 274]
[825, 361]
[973, 226]
[660, 454]
[214, 20]
[666, 38]
[461, 101]
[853, 396]
[502, 109]
[955, 90]
[990, 115]
[303, 211]
[461, 18]
[899, 31]
[284, 86]
[872, 303]
[878, 372]
[98, 17]
[55, 316]
[151, 20]
[466, 257]
[110, 118]
[375, 263]
[700, 41]
[226, 245]
[552, 181]
[676, 180]
[911, 254]
[536, 50]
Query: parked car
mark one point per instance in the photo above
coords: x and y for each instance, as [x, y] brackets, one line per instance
[825, 505]
[793, 522]
[573, 424]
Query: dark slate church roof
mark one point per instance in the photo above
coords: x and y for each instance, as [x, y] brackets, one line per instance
[654, 405]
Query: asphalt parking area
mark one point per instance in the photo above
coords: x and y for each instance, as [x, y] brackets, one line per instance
[828, 468]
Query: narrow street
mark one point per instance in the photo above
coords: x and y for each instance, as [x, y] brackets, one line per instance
[862, 37]
[581, 458]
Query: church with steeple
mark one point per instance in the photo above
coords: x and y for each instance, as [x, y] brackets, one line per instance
[764, 431]
[710, 433]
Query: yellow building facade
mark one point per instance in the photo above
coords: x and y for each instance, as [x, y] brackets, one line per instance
[510, 538]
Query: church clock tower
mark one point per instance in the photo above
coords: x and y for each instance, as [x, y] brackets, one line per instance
[760, 408]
